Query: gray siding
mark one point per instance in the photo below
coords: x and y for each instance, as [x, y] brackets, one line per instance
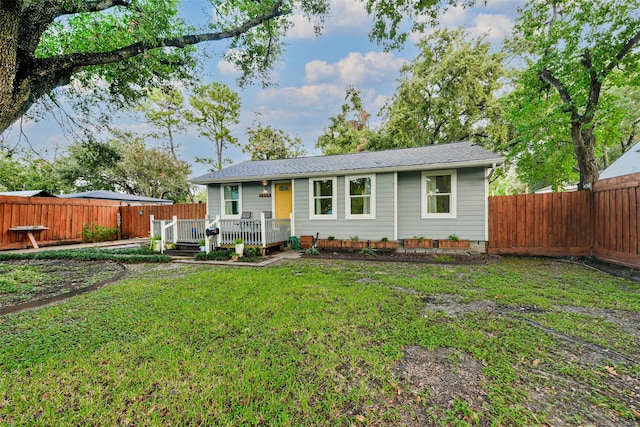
[468, 224]
[471, 215]
[251, 201]
[343, 228]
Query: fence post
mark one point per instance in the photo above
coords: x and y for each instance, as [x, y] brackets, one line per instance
[151, 217]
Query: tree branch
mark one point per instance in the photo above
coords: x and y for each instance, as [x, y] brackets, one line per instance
[38, 15]
[43, 67]
[547, 77]
[623, 52]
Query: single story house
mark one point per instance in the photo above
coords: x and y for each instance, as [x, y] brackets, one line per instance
[432, 192]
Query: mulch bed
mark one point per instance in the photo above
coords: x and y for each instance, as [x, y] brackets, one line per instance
[393, 256]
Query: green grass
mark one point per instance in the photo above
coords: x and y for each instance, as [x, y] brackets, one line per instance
[308, 342]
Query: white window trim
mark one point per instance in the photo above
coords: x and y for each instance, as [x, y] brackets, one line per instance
[222, 201]
[454, 194]
[334, 197]
[347, 198]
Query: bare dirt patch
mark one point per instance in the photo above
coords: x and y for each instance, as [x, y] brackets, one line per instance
[55, 280]
[448, 387]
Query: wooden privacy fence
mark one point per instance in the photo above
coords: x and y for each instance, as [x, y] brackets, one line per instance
[603, 222]
[63, 219]
[136, 223]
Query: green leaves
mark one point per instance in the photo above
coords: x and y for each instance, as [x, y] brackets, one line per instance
[561, 107]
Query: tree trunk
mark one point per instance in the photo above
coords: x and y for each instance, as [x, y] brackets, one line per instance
[9, 19]
[584, 143]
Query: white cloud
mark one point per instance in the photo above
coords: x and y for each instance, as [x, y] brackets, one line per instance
[356, 68]
[227, 68]
[496, 27]
[345, 16]
[307, 96]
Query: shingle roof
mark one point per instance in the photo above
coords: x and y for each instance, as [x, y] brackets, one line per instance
[626, 164]
[456, 154]
[112, 195]
[28, 193]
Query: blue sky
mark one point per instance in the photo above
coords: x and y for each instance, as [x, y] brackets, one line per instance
[310, 82]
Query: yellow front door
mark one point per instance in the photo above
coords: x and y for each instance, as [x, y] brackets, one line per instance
[283, 199]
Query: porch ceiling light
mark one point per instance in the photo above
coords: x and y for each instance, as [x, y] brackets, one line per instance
[265, 190]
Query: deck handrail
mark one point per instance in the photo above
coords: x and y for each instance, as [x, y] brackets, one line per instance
[254, 232]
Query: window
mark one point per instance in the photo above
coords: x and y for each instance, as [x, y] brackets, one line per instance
[439, 194]
[322, 198]
[360, 200]
[231, 200]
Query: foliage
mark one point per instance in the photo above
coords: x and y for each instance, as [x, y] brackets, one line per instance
[89, 165]
[268, 143]
[252, 253]
[164, 109]
[349, 131]
[454, 237]
[217, 255]
[114, 48]
[149, 172]
[19, 279]
[563, 116]
[21, 170]
[367, 252]
[98, 233]
[447, 93]
[215, 107]
[312, 251]
[131, 256]
[306, 342]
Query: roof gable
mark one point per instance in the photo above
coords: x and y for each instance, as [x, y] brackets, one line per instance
[458, 154]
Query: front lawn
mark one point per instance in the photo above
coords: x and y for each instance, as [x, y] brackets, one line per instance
[323, 342]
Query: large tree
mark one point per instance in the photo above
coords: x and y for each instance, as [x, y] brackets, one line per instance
[112, 48]
[268, 143]
[164, 109]
[447, 93]
[572, 51]
[349, 131]
[215, 107]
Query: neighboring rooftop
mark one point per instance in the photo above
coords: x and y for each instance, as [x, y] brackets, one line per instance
[112, 195]
[626, 164]
[27, 193]
[452, 155]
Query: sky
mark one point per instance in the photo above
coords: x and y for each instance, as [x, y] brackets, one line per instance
[309, 84]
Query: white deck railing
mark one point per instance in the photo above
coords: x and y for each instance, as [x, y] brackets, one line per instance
[260, 232]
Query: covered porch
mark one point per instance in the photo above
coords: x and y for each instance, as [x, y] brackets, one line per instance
[263, 232]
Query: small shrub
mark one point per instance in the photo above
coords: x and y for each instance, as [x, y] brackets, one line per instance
[442, 258]
[354, 238]
[384, 239]
[98, 233]
[312, 251]
[218, 255]
[454, 237]
[367, 252]
[238, 241]
[331, 238]
[419, 238]
[252, 253]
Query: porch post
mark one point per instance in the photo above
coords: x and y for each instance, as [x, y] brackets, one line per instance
[263, 230]
[163, 235]
[151, 219]
[175, 229]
